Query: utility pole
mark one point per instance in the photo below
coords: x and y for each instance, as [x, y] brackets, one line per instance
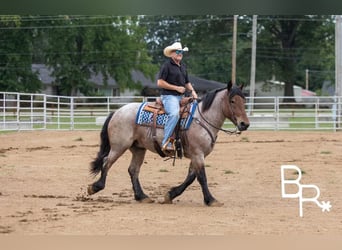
[252, 82]
[234, 50]
[338, 68]
[338, 56]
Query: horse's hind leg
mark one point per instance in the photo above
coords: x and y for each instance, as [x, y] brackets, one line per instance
[108, 162]
[138, 155]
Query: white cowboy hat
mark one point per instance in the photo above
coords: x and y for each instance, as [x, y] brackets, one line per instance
[175, 46]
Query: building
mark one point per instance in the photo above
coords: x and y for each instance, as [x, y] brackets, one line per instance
[148, 86]
[274, 88]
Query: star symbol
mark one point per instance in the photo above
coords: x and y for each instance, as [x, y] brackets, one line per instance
[326, 206]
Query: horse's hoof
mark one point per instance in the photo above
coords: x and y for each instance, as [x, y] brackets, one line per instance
[90, 190]
[167, 199]
[215, 203]
[147, 200]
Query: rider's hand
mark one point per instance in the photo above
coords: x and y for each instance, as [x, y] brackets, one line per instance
[194, 94]
[181, 89]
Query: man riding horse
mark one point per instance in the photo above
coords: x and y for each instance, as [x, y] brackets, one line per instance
[174, 81]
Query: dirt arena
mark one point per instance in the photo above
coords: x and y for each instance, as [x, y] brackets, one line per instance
[44, 176]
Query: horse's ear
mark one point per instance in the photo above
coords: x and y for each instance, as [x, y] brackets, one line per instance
[242, 85]
[229, 85]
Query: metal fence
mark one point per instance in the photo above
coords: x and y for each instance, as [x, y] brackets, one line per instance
[19, 111]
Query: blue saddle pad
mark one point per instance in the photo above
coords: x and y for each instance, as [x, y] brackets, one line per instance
[145, 117]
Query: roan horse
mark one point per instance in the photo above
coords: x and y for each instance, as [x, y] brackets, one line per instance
[120, 132]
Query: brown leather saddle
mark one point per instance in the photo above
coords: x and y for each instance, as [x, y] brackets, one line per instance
[157, 108]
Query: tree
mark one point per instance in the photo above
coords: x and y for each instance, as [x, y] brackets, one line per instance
[209, 38]
[112, 46]
[76, 47]
[212, 54]
[286, 46]
[16, 55]
[287, 43]
[319, 53]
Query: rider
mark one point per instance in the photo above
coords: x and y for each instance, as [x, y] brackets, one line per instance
[174, 81]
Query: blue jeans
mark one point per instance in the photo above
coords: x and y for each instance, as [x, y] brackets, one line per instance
[171, 106]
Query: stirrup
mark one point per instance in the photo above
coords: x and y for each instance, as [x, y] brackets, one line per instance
[169, 146]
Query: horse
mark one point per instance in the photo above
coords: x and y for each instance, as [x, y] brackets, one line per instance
[120, 133]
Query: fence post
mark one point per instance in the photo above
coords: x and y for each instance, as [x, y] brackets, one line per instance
[72, 113]
[337, 112]
[31, 111]
[18, 111]
[58, 113]
[44, 112]
[276, 109]
[4, 109]
[333, 113]
[316, 114]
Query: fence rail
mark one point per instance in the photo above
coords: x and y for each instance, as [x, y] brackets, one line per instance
[21, 111]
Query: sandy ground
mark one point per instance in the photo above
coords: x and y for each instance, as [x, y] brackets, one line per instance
[44, 176]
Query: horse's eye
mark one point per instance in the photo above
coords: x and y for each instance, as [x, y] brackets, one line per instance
[232, 101]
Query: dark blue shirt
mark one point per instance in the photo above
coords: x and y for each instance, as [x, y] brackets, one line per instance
[173, 74]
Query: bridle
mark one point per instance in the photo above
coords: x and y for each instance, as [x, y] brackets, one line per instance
[231, 94]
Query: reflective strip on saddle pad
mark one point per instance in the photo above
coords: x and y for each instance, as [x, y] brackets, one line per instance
[145, 117]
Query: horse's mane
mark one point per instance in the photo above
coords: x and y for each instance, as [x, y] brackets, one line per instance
[208, 98]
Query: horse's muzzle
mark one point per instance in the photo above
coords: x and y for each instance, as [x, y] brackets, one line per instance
[242, 126]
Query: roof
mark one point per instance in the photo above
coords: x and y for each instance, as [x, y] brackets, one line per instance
[44, 74]
[200, 84]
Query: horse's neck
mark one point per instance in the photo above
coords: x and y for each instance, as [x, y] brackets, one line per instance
[215, 113]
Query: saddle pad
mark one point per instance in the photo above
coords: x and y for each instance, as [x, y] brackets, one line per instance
[145, 117]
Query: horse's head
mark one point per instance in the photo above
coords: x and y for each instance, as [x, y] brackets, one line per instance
[236, 107]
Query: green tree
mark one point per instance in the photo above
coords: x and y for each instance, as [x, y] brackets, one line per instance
[79, 47]
[319, 56]
[212, 39]
[287, 45]
[209, 38]
[16, 55]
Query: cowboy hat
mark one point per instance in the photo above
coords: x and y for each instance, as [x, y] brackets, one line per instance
[175, 46]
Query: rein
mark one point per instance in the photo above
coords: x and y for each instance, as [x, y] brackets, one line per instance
[227, 131]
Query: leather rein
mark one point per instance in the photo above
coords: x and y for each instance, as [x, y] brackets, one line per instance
[227, 131]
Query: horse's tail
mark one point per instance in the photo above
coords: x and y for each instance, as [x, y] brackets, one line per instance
[96, 165]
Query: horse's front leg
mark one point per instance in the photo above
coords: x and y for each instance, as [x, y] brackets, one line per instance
[208, 198]
[196, 169]
[178, 190]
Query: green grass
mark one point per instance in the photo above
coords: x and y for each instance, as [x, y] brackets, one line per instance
[296, 120]
[77, 123]
[296, 173]
[325, 152]
[244, 139]
[229, 172]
